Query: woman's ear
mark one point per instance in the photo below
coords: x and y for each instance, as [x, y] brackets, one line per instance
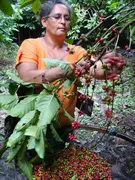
[43, 21]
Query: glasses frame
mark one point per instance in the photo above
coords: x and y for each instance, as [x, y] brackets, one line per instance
[58, 17]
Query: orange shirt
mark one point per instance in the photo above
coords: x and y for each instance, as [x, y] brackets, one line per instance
[32, 50]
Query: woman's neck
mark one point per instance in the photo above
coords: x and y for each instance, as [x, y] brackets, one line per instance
[53, 42]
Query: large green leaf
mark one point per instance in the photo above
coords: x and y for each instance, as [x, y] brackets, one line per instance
[31, 143]
[13, 152]
[3, 148]
[68, 115]
[67, 83]
[6, 7]
[40, 145]
[42, 95]
[26, 2]
[16, 137]
[7, 101]
[35, 6]
[55, 134]
[48, 107]
[31, 131]
[25, 121]
[26, 167]
[23, 107]
[64, 65]
[12, 88]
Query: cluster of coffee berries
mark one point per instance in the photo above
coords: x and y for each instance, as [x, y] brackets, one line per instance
[99, 39]
[68, 94]
[75, 124]
[82, 98]
[83, 37]
[119, 62]
[102, 18]
[109, 94]
[80, 113]
[87, 80]
[108, 112]
[83, 69]
[113, 30]
[107, 100]
[80, 71]
[71, 137]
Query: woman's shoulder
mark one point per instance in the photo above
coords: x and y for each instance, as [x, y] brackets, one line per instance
[31, 40]
[75, 48]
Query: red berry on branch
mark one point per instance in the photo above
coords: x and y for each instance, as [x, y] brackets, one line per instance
[113, 30]
[102, 18]
[101, 40]
[112, 77]
[80, 113]
[127, 48]
[75, 124]
[105, 88]
[97, 39]
[111, 93]
[108, 113]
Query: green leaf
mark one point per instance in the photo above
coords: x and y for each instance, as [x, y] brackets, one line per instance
[13, 152]
[7, 101]
[26, 167]
[12, 88]
[63, 65]
[114, 4]
[55, 134]
[6, 7]
[40, 146]
[67, 83]
[74, 177]
[48, 107]
[25, 121]
[48, 87]
[22, 161]
[3, 148]
[68, 115]
[31, 143]
[42, 95]
[16, 137]
[23, 107]
[35, 6]
[26, 2]
[31, 131]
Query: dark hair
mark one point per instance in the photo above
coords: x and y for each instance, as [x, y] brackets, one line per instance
[49, 5]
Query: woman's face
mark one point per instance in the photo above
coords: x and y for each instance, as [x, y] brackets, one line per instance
[58, 21]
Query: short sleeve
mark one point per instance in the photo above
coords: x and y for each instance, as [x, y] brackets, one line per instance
[27, 52]
[80, 52]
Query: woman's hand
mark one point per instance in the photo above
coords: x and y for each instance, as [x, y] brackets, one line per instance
[110, 63]
[114, 62]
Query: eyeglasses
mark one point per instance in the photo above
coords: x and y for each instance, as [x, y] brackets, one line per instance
[58, 17]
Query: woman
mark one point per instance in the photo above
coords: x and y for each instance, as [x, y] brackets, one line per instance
[55, 18]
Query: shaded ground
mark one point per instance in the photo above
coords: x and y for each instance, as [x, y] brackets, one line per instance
[118, 152]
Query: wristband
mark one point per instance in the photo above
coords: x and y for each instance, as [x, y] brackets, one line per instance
[44, 81]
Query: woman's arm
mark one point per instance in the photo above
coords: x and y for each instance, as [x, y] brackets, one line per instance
[29, 73]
